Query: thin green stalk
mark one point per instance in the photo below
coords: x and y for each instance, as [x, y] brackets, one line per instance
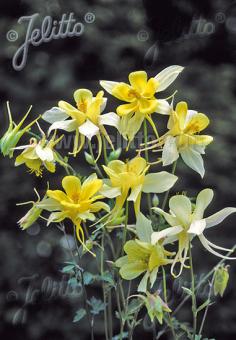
[103, 288]
[104, 150]
[207, 307]
[125, 226]
[166, 301]
[94, 160]
[149, 201]
[194, 302]
[167, 192]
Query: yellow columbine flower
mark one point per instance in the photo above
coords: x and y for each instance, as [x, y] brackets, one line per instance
[140, 98]
[192, 223]
[85, 119]
[78, 202]
[39, 154]
[128, 181]
[183, 138]
[14, 133]
[144, 254]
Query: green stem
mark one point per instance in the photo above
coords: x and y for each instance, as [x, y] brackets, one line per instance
[166, 301]
[104, 150]
[125, 226]
[194, 302]
[149, 201]
[94, 160]
[207, 307]
[103, 287]
[167, 193]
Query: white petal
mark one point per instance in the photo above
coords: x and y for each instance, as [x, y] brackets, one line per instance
[169, 218]
[67, 125]
[156, 236]
[163, 107]
[181, 206]
[108, 85]
[194, 160]
[197, 227]
[104, 103]
[45, 154]
[110, 192]
[218, 217]
[158, 182]
[170, 153]
[142, 287]
[134, 193]
[22, 147]
[167, 76]
[190, 115]
[55, 114]
[204, 198]
[144, 228]
[110, 118]
[88, 129]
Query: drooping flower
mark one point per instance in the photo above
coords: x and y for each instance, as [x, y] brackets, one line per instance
[39, 154]
[183, 138]
[145, 255]
[127, 180]
[140, 98]
[193, 223]
[14, 133]
[78, 202]
[85, 119]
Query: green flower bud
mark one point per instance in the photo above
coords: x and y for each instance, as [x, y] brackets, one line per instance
[221, 279]
[30, 217]
[114, 154]
[156, 307]
[13, 134]
[89, 158]
[155, 200]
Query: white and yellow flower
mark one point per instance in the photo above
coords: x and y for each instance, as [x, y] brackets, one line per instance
[39, 154]
[192, 223]
[85, 119]
[140, 98]
[127, 180]
[183, 138]
[78, 202]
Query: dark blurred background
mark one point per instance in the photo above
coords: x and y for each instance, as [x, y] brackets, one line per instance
[119, 37]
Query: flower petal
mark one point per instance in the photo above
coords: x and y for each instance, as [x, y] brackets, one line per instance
[170, 152]
[71, 185]
[110, 192]
[157, 236]
[194, 160]
[138, 80]
[134, 193]
[206, 245]
[45, 154]
[181, 207]
[218, 217]
[83, 95]
[144, 228]
[204, 198]
[55, 114]
[111, 119]
[167, 76]
[197, 227]
[163, 107]
[108, 85]
[88, 129]
[169, 218]
[67, 125]
[158, 182]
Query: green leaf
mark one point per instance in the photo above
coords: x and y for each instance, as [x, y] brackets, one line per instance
[134, 306]
[187, 291]
[97, 305]
[88, 278]
[144, 228]
[106, 277]
[118, 336]
[79, 315]
[68, 269]
[204, 305]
